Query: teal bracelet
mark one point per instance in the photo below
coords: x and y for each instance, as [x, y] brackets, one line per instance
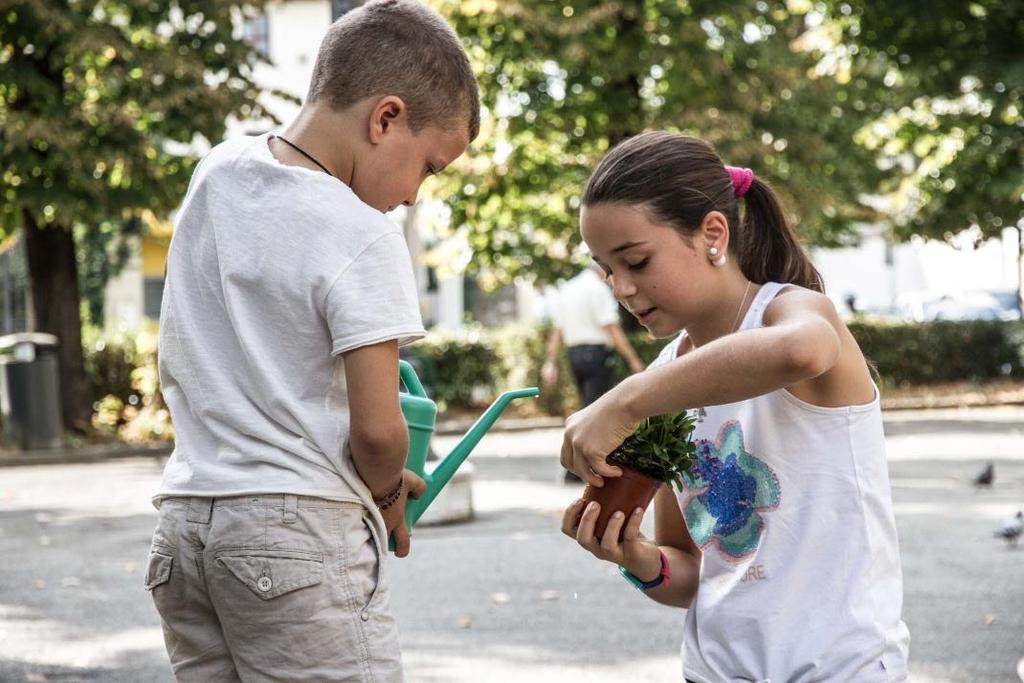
[660, 579]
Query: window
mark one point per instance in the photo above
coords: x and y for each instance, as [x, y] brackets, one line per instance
[340, 7]
[152, 294]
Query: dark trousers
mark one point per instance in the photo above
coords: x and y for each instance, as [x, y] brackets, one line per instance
[592, 370]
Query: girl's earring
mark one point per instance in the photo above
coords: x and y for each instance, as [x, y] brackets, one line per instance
[718, 262]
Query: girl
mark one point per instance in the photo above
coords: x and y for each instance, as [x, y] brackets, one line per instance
[782, 546]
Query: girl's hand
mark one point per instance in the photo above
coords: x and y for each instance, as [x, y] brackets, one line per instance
[635, 552]
[593, 433]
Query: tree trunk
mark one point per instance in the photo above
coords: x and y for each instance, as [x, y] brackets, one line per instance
[54, 302]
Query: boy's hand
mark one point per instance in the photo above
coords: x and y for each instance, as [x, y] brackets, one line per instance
[394, 517]
[635, 552]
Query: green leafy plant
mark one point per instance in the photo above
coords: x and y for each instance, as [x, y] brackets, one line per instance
[662, 447]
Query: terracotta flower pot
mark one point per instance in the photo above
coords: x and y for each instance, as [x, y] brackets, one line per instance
[626, 493]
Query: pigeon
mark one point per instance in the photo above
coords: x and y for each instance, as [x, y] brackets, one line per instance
[987, 476]
[1011, 529]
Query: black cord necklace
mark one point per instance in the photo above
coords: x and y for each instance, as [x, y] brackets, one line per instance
[303, 153]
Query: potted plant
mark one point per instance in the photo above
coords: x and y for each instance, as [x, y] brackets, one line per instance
[658, 452]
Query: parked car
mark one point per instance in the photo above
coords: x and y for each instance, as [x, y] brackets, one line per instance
[974, 306]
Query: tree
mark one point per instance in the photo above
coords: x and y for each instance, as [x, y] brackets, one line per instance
[104, 106]
[565, 81]
[948, 77]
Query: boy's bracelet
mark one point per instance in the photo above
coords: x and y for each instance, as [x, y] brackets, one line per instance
[659, 580]
[391, 498]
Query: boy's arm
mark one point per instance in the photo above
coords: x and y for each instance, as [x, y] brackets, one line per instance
[377, 432]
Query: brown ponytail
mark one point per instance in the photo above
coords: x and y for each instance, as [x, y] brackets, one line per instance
[680, 179]
[769, 249]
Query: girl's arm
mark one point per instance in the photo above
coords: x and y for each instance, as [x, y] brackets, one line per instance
[636, 553]
[801, 340]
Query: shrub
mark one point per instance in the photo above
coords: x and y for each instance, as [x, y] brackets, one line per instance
[458, 369]
[122, 369]
[941, 351]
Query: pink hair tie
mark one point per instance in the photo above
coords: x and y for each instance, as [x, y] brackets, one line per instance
[741, 179]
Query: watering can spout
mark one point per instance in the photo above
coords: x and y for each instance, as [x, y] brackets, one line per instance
[449, 464]
[420, 413]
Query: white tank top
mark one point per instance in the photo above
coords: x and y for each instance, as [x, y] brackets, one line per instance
[800, 577]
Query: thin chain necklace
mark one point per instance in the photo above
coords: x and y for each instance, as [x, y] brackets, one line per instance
[735, 323]
[701, 413]
[302, 152]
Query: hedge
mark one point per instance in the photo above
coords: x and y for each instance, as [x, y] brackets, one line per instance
[473, 366]
[466, 370]
[942, 351]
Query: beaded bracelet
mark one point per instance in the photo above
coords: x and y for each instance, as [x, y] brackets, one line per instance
[391, 498]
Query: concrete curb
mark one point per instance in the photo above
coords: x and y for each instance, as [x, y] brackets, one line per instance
[933, 413]
[85, 454]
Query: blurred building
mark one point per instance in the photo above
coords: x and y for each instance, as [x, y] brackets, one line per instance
[925, 279]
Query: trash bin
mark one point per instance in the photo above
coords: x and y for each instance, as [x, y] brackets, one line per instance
[30, 391]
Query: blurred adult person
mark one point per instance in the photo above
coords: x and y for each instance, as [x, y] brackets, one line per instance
[585, 319]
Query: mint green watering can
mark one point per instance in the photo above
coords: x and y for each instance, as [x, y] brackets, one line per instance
[420, 413]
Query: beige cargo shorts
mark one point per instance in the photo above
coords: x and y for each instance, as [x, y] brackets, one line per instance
[272, 588]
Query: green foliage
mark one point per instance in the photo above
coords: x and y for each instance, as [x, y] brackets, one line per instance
[109, 363]
[833, 102]
[101, 254]
[457, 369]
[942, 351]
[565, 81]
[947, 80]
[104, 104]
[520, 349]
[662, 447]
[122, 370]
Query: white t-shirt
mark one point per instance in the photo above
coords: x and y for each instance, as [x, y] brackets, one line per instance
[585, 306]
[800, 576]
[273, 271]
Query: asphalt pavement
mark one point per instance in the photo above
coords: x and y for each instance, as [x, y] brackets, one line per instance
[505, 597]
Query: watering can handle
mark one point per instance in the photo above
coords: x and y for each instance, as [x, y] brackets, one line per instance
[410, 380]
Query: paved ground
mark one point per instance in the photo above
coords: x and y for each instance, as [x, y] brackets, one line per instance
[505, 597]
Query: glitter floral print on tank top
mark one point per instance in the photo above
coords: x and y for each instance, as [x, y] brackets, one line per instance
[728, 490]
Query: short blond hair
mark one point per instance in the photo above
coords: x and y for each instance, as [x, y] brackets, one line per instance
[402, 48]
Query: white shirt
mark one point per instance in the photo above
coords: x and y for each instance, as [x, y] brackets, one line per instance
[273, 271]
[585, 307]
[800, 576]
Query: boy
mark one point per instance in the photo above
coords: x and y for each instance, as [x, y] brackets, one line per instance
[287, 296]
